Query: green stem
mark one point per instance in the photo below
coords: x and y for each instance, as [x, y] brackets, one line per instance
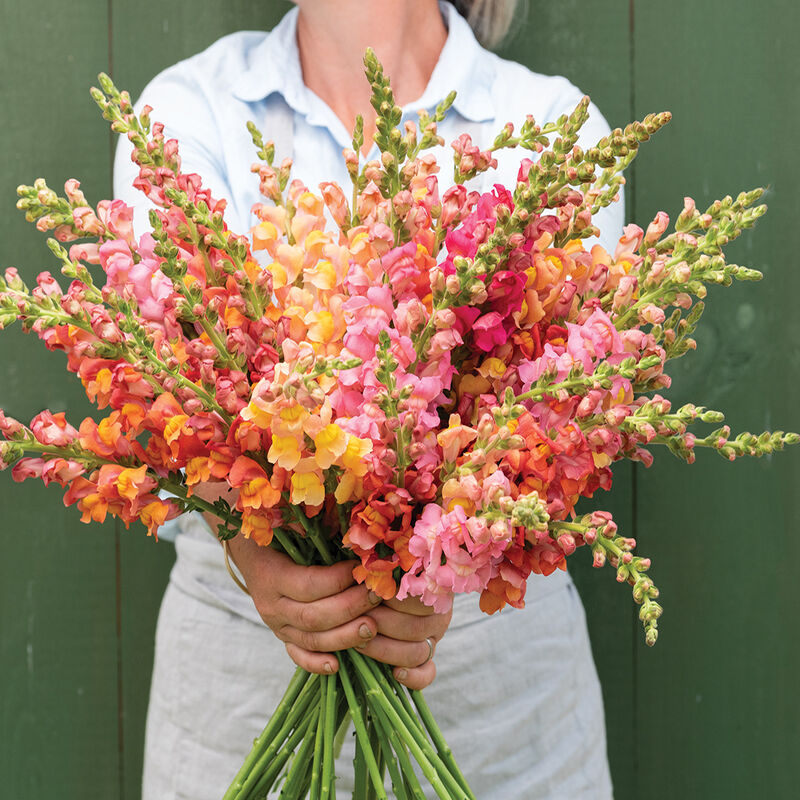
[222, 350]
[377, 749]
[197, 241]
[400, 694]
[361, 781]
[272, 772]
[296, 685]
[296, 780]
[361, 731]
[70, 452]
[316, 767]
[399, 776]
[308, 695]
[570, 383]
[329, 720]
[421, 749]
[314, 534]
[195, 501]
[575, 527]
[445, 753]
[383, 679]
[285, 541]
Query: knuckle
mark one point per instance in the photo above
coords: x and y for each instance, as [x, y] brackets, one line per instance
[283, 632]
[268, 615]
[304, 585]
[306, 640]
[356, 605]
[308, 617]
[419, 629]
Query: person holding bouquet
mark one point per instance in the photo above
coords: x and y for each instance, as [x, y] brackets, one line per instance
[517, 695]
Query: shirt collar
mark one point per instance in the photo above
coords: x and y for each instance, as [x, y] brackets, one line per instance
[464, 66]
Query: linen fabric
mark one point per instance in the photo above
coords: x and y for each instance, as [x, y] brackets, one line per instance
[517, 694]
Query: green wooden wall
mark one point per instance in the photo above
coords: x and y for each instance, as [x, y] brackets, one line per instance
[713, 710]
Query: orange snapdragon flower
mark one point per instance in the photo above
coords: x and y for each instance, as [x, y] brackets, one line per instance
[255, 489]
[307, 485]
[256, 527]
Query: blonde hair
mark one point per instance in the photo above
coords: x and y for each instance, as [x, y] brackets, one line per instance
[490, 20]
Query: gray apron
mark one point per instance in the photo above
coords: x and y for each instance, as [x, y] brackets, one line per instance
[516, 694]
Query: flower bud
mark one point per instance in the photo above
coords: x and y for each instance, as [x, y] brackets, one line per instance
[453, 284]
[506, 504]
[437, 279]
[598, 557]
[656, 228]
[444, 318]
[567, 543]
[193, 405]
[652, 314]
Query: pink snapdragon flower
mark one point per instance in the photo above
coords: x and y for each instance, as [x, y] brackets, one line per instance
[142, 281]
[53, 429]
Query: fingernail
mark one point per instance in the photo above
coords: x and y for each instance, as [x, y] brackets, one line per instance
[365, 632]
[401, 674]
[326, 667]
[374, 598]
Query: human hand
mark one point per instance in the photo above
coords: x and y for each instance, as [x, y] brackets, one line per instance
[314, 611]
[318, 610]
[405, 628]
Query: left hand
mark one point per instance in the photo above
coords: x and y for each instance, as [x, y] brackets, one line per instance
[403, 627]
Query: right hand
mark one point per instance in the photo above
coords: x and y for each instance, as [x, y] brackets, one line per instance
[318, 610]
[314, 611]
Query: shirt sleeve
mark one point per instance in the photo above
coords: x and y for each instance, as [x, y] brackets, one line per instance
[611, 219]
[518, 92]
[178, 102]
[181, 106]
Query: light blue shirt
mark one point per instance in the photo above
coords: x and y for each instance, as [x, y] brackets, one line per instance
[206, 101]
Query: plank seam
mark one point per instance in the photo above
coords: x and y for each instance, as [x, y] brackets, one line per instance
[631, 199]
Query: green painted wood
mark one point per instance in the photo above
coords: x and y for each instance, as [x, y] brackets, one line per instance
[718, 706]
[57, 577]
[712, 711]
[179, 31]
[559, 38]
[168, 31]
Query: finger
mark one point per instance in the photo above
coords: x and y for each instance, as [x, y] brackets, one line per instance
[411, 605]
[398, 653]
[267, 571]
[329, 612]
[418, 677]
[307, 584]
[321, 663]
[409, 627]
[354, 634]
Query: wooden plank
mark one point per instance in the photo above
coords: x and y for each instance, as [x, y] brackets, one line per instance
[718, 706]
[592, 50]
[172, 30]
[58, 653]
[180, 30]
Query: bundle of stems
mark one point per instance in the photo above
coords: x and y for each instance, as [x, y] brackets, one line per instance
[394, 731]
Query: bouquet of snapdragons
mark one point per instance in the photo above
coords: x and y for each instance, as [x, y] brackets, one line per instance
[425, 381]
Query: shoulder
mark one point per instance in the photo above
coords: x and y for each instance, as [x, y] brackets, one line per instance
[209, 73]
[516, 88]
[518, 91]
